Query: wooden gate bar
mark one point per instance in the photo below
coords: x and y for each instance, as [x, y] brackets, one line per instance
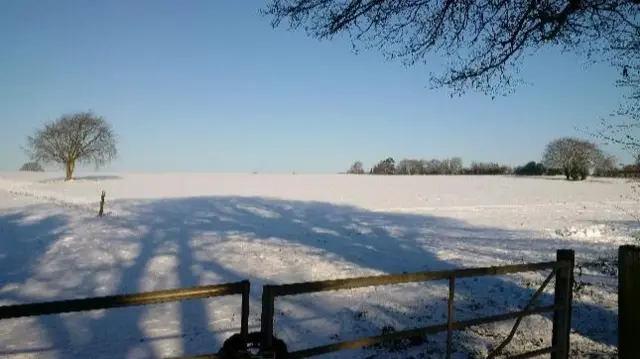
[534, 353]
[350, 283]
[359, 343]
[530, 304]
[119, 301]
[129, 300]
[204, 356]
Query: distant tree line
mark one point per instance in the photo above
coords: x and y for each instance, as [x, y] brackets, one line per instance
[571, 157]
[626, 171]
[31, 167]
[447, 166]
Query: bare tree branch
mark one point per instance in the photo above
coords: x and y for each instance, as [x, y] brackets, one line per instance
[483, 40]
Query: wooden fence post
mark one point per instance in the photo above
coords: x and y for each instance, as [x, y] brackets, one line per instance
[101, 211]
[267, 318]
[563, 297]
[628, 302]
[244, 319]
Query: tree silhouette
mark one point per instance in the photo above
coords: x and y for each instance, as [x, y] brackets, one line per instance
[573, 155]
[357, 168]
[77, 138]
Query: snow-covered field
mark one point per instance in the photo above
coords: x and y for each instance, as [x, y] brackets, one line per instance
[173, 230]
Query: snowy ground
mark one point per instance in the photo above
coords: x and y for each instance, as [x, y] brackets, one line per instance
[173, 230]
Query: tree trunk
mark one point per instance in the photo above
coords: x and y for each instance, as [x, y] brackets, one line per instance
[69, 167]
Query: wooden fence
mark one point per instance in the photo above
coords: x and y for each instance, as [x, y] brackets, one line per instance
[562, 269]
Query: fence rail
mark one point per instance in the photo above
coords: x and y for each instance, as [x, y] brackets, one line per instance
[130, 300]
[562, 268]
[360, 282]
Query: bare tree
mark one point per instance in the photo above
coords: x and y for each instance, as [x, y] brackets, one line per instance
[446, 166]
[621, 128]
[484, 40]
[409, 166]
[573, 156]
[605, 165]
[416, 167]
[357, 168]
[625, 133]
[71, 139]
[403, 167]
[433, 167]
[456, 165]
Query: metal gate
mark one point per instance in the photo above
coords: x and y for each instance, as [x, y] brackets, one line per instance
[562, 269]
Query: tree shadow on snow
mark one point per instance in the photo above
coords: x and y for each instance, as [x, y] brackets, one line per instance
[206, 240]
[564, 179]
[94, 178]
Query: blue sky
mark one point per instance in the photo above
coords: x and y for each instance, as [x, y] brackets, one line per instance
[210, 86]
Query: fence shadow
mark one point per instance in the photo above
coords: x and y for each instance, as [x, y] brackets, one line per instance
[170, 243]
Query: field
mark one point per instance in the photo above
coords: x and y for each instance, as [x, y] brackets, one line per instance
[173, 230]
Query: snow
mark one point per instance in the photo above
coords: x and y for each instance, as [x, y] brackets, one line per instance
[174, 230]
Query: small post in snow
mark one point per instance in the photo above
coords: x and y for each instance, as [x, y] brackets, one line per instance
[101, 211]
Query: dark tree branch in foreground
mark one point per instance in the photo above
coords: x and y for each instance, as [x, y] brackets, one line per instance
[483, 40]
[623, 127]
[78, 138]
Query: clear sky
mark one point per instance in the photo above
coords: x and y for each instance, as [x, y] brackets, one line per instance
[210, 86]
